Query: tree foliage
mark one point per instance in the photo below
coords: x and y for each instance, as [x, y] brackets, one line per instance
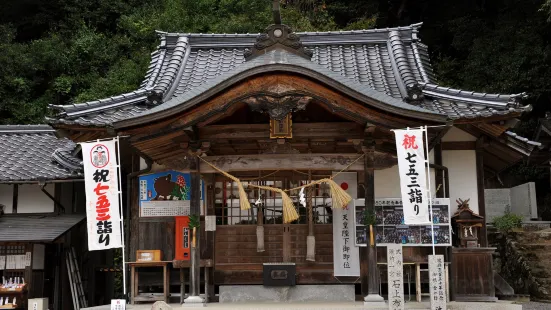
[63, 51]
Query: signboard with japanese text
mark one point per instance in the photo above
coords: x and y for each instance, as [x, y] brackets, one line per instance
[395, 276]
[346, 257]
[391, 229]
[411, 166]
[437, 282]
[101, 182]
[167, 193]
[118, 304]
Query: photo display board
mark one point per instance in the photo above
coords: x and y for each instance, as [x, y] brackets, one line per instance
[390, 228]
[167, 193]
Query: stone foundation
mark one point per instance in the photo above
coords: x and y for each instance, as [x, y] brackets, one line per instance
[299, 293]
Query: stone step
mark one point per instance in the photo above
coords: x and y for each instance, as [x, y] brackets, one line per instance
[532, 237]
[536, 247]
[540, 271]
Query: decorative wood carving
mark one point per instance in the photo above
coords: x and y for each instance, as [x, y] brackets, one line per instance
[278, 148]
[295, 162]
[277, 106]
[278, 36]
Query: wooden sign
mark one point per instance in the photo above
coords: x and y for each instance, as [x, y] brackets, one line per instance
[148, 255]
[281, 128]
[395, 277]
[437, 282]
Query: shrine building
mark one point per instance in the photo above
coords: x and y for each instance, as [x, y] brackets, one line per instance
[282, 109]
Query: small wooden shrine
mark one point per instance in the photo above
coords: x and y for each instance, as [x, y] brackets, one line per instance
[467, 224]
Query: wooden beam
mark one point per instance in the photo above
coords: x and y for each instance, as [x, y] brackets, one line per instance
[480, 188]
[262, 131]
[293, 162]
[459, 146]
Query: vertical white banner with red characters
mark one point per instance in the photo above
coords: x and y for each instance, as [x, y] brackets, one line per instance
[413, 177]
[101, 180]
[346, 256]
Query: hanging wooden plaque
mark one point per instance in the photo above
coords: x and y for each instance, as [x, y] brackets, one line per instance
[281, 128]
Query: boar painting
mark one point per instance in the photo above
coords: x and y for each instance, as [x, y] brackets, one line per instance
[166, 189]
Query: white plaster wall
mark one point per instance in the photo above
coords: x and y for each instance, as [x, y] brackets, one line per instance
[456, 134]
[6, 197]
[32, 200]
[463, 184]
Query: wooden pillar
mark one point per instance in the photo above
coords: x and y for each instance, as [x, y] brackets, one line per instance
[372, 270]
[480, 189]
[439, 174]
[208, 252]
[311, 239]
[195, 209]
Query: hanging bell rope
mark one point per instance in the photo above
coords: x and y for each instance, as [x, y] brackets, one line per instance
[289, 211]
[243, 198]
[340, 197]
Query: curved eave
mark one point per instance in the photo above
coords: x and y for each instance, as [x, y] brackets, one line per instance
[458, 95]
[351, 88]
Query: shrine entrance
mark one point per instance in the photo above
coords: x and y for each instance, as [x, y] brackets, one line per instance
[237, 245]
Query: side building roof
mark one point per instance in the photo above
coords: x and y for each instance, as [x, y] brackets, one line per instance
[32, 153]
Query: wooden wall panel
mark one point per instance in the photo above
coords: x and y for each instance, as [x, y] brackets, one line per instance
[324, 244]
[472, 274]
[157, 236]
[238, 262]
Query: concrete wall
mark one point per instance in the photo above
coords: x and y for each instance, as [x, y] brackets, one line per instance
[462, 169]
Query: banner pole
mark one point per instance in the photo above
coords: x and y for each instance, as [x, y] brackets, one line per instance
[121, 216]
[429, 189]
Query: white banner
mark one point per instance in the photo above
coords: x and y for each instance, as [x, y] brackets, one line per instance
[411, 165]
[346, 256]
[101, 180]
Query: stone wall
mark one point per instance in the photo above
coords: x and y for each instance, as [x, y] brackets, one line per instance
[523, 260]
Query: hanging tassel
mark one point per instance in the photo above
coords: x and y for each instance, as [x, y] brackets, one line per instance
[339, 196]
[260, 238]
[289, 211]
[243, 198]
[311, 248]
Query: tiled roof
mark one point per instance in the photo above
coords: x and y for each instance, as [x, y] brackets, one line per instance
[30, 153]
[36, 228]
[385, 61]
[521, 144]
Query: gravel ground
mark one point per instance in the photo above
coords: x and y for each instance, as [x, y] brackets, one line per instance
[536, 306]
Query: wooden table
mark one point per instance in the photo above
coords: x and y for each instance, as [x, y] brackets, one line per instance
[134, 279]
